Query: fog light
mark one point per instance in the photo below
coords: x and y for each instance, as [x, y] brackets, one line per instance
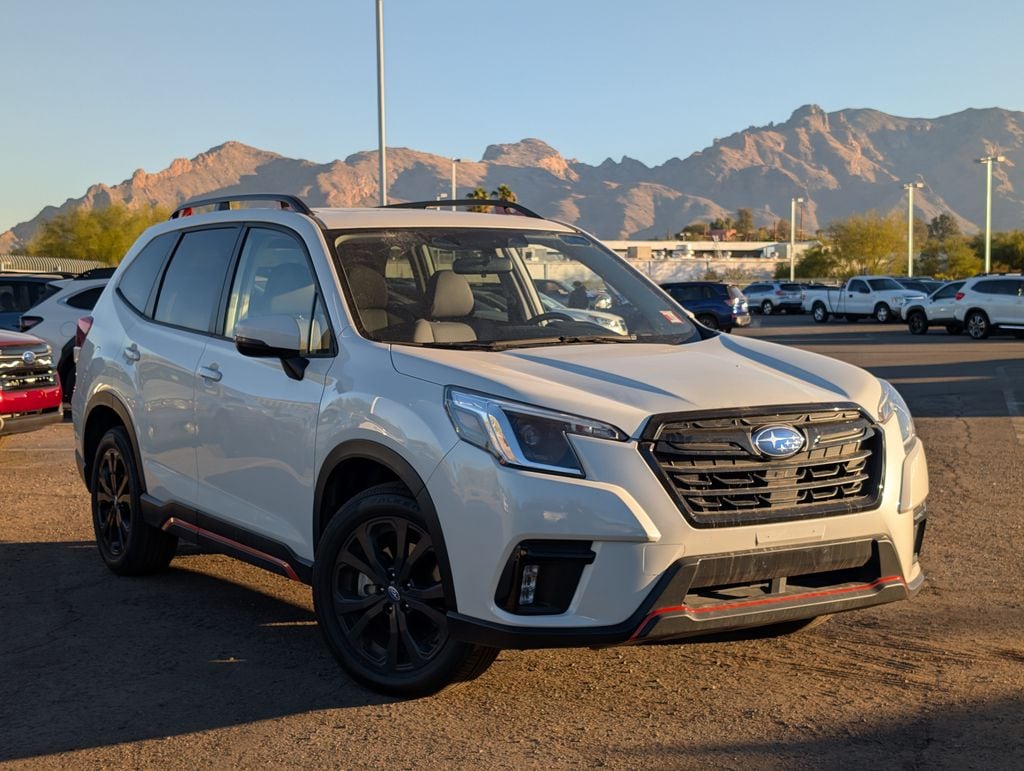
[528, 587]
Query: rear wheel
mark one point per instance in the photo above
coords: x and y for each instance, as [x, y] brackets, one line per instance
[977, 325]
[128, 544]
[954, 329]
[381, 602]
[917, 323]
[882, 313]
[819, 313]
[767, 308]
[709, 321]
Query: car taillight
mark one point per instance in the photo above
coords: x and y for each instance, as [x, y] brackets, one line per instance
[82, 330]
[27, 322]
[778, 292]
[959, 296]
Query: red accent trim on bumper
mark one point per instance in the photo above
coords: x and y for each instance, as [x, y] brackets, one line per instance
[288, 570]
[766, 601]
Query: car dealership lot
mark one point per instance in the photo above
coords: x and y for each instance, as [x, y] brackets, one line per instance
[217, 663]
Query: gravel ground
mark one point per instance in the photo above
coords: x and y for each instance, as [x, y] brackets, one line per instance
[215, 663]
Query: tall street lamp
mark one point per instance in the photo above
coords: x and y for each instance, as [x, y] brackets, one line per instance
[910, 187]
[988, 160]
[380, 104]
[792, 236]
[454, 161]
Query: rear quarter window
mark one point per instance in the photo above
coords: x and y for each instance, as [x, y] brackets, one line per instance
[140, 277]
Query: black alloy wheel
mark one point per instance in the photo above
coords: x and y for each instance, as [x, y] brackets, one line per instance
[977, 325]
[917, 323]
[380, 598]
[767, 308]
[709, 321]
[127, 543]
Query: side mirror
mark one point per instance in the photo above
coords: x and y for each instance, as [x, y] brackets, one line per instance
[276, 336]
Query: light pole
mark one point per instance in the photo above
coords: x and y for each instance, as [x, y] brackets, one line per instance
[910, 187]
[792, 236]
[380, 104]
[988, 160]
[454, 161]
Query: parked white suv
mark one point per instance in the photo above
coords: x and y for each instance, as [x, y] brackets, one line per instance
[986, 304]
[771, 296]
[375, 402]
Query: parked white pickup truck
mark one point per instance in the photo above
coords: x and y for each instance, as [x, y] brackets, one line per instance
[860, 297]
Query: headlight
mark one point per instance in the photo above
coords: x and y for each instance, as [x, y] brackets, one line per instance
[892, 403]
[521, 435]
[897, 301]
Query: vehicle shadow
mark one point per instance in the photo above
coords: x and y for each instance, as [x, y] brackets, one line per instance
[89, 659]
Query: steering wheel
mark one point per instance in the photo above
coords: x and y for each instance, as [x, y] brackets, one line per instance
[550, 316]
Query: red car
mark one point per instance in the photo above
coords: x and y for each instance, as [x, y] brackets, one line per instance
[30, 394]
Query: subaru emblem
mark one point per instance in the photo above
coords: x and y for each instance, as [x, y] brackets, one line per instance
[778, 441]
[28, 357]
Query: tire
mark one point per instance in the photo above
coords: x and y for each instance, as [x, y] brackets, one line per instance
[767, 308]
[66, 371]
[1019, 335]
[882, 313]
[917, 323]
[954, 329]
[977, 324]
[819, 312]
[709, 321]
[382, 615]
[127, 543]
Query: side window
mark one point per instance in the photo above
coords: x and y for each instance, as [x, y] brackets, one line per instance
[273, 278]
[685, 294]
[86, 300]
[946, 292]
[859, 286]
[1000, 286]
[140, 277]
[192, 284]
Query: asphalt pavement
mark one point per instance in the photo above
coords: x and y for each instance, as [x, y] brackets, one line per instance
[214, 663]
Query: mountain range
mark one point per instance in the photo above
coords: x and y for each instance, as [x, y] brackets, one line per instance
[841, 163]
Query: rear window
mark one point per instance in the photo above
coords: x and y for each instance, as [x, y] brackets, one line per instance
[17, 295]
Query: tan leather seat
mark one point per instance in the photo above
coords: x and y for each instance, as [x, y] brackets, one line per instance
[449, 296]
[370, 294]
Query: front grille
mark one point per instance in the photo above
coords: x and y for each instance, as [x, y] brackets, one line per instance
[18, 375]
[719, 478]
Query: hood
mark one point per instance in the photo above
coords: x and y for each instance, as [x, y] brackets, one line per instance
[624, 384]
[9, 338]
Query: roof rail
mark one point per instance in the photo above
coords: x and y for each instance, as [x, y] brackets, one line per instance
[518, 207]
[94, 273]
[223, 203]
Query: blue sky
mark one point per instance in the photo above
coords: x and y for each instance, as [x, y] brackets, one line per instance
[94, 89]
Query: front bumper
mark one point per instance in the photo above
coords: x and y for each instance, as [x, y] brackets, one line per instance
[726, 592]
[23, 422]
[741, 319]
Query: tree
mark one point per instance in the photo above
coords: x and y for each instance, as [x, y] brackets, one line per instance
[744, 222]
[950, 258]
[503, 193]
[816, 262]
[868, 243]
[694, 229]
[94, 234]
[782, 230]
[479, 194]
[942, 227]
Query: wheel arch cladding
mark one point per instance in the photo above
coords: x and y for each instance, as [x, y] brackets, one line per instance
[359, 465]
[105, 412]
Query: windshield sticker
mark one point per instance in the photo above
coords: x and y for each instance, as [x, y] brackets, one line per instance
[672, 317]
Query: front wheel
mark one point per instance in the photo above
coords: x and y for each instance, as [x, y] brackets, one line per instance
[882, 313]
[820, 313]
[977, 325]
[128, 544]
[380, 599]
[917, 323]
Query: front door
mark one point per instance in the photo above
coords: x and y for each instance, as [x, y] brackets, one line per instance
[256, 425]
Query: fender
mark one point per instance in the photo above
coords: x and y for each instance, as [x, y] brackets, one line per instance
[109, 399]
[401, 468]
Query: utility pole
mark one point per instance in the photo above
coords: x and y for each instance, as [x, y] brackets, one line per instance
[988, 160]
[380, 105]
[910, 187]
[792, 237]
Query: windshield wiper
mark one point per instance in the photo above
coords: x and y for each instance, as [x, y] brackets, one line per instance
[531, 342]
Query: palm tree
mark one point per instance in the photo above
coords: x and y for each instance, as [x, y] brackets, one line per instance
[479, 194]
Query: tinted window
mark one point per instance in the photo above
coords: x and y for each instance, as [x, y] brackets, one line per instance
[192, 284]
[754, 288]
[18, 295]
[790, 287]
[1001, 286]
[884, 284]
[86, 300]
[274, 278]
[685, 294]
[859, 286]
[948, 291]
[136, 285]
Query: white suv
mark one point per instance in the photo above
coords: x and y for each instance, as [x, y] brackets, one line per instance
[375, 402]
[985, 304]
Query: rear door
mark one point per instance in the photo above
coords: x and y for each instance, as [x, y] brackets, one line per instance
[256, 426]
[164, 340]
[941, 306]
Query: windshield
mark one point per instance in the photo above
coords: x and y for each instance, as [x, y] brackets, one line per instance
[883, 284]
[499, 288]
